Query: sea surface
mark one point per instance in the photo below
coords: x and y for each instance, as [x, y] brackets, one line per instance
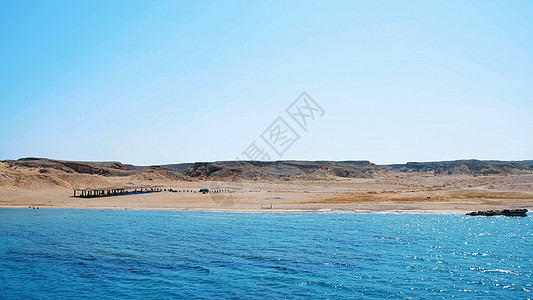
[109, 254]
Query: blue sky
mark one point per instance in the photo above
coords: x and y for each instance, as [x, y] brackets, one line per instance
[153, 82]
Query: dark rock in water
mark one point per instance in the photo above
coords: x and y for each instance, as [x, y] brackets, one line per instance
[503, 212]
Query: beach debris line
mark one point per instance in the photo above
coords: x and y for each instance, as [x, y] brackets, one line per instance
[503, 212]
[116, 191]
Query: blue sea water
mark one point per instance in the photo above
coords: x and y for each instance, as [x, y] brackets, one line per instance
[60, 253]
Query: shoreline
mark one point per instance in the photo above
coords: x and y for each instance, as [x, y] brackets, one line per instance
[267, 211]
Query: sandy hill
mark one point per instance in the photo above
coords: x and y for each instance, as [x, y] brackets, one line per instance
[100, 168]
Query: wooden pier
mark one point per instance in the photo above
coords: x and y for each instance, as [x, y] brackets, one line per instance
[116, 191]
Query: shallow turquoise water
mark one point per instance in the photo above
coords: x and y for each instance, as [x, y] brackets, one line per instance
[51, 254]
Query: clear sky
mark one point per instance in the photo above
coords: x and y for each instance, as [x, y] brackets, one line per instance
[153, 82]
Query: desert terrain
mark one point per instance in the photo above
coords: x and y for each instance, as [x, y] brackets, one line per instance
[285, 186]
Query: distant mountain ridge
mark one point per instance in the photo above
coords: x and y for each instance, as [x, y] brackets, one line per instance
[271, 170]
[268, 170]
[222, 170]
[178, 167]
[471, 167]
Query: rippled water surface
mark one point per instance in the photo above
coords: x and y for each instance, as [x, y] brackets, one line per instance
[160, 254]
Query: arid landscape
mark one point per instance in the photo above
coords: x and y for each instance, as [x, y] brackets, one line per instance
[295, 186]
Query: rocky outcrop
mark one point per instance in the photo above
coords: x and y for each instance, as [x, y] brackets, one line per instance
[118, 166]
